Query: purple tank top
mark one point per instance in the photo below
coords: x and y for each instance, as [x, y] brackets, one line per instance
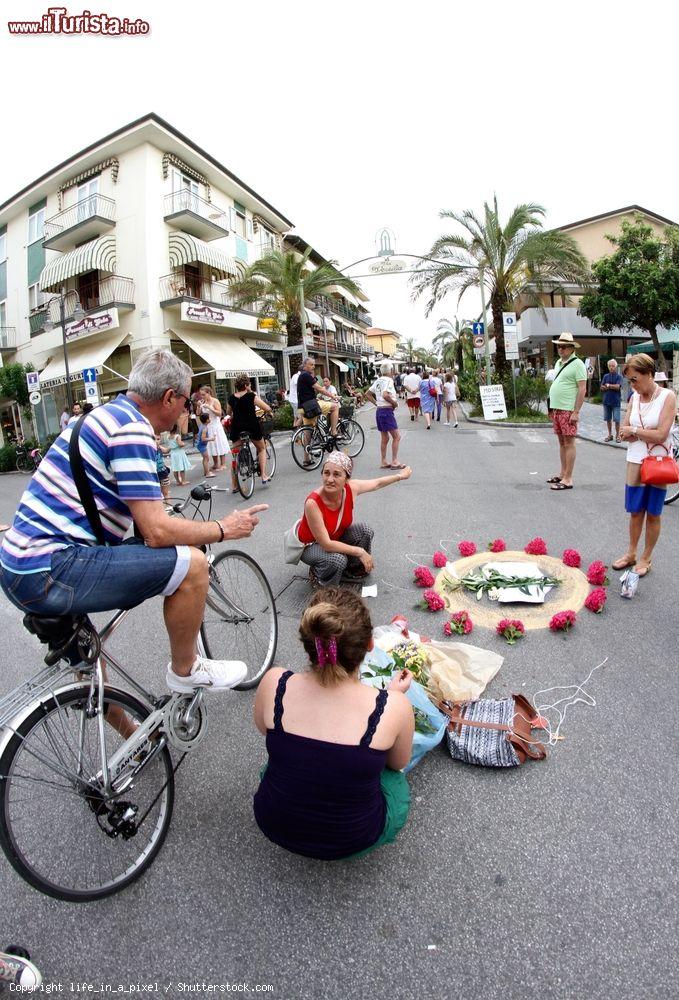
[320, 799]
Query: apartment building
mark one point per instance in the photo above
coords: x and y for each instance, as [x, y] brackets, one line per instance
[536, 331]
[336, 325]
[386, 343]
[142, 232]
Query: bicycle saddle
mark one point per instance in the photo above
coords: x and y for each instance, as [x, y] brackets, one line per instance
[70, 637]
[48, 628]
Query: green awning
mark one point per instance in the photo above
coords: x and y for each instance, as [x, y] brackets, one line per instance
[97, 255]
[350, 365]
[185, 249]
[669, 341]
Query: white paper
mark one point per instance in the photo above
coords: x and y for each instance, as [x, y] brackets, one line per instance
[513, 595]
[369, 591]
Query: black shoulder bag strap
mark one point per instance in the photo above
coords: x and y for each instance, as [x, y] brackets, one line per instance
[82, 483]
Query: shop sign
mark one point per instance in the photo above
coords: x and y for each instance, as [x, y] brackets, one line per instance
[266, 323]
[192, 312]
[493, 401]
[73, 377]
[387, 266]
[266, 345]
[94, 323]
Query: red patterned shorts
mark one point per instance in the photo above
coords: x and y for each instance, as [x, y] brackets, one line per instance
[413, 403]
[562, 423]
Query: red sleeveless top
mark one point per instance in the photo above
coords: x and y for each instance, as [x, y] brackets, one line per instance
[335, 530]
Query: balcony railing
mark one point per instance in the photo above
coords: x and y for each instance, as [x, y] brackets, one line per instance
[36, 321]
[185, 201]
[94, 206]
[113, 290]
[339, 308]
[190, 286]
[8, 337]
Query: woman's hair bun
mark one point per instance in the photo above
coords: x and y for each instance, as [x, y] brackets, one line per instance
[322, 621]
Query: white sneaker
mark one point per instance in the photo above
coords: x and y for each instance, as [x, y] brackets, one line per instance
[455, 425]
[21, 973]
[446, 423]
[216, 675]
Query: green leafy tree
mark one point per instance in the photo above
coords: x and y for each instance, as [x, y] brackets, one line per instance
[638, 284]
[13, 382]
[275, 282]
[518, 258]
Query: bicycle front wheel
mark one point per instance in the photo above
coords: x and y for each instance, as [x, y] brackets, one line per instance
[240, 621]
[24, 464]
[245, 472]
[351, 438]
[57, 829]
[270, 459]
[307, 448]
[673, 490]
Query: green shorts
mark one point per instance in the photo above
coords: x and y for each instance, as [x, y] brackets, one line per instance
[396, 793]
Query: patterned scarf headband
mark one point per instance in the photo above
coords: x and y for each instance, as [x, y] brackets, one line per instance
[339, 458]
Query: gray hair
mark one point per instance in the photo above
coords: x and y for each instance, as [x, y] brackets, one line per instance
[386, 367]
[157, 371]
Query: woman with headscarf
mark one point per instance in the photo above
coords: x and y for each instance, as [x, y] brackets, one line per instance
[337, 548]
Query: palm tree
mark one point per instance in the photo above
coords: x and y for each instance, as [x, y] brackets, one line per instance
[519, 258]
[450, 337]
[407, 349]
[278, 280]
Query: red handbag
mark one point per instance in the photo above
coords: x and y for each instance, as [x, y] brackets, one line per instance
[659, 470]
[432, 389]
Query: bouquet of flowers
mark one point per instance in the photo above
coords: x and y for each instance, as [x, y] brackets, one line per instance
[571, 557]
[596, 600]
[563, 621]
[423, 576]
[467, 548]
[439, 559]
[596, 574]
[497, 545]
[411, 656]
[431, 601]
[459, 623]
[511, 629]
[536, 547]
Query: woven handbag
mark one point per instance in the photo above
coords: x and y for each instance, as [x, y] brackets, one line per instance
[493, 733]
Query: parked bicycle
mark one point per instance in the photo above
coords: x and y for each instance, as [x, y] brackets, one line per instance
[27, 461]
[245, 460]
[310, 443]
[86, 768]
[673, 490]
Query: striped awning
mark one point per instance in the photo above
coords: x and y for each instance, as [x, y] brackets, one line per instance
[97, 255]
[329, 325]
[340, 364]
[185, 249]
[312, 317]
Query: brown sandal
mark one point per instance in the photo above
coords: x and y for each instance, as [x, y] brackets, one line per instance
[624, 563]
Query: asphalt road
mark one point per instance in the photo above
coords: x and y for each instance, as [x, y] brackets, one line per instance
[557, 879]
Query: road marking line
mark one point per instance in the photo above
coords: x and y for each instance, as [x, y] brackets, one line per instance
[532, 437]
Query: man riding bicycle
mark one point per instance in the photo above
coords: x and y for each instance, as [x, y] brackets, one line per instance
[307, 390]
[50, 562]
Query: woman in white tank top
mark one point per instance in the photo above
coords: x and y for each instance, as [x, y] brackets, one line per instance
[647, 424]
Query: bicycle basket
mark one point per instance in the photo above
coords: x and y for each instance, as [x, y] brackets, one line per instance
[346, 411]
[267, 426]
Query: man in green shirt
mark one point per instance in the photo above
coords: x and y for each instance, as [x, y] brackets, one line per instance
[566, 396]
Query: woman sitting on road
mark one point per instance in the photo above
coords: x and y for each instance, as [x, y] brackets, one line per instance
[647, 424]
[241, 408]
[333, 788]
[336, 548]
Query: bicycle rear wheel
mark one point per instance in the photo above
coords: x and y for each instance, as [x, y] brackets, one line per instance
[351, 438]
[24, 464]
[270, 459]
[245, 472]
[307, 448]
[240, 621]
[56, 828]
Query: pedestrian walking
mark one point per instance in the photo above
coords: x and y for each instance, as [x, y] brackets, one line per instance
[384, 391]
[647, 424]
[450, 399]
[64, 419]
[428, 396]
[218, 447]
[438, 382]
[566, 396]
[611, 387]
[292, 398]
[411, 384]
[179, 463]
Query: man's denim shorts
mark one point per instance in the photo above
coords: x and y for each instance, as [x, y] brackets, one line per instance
[612, 412]
[84, 579]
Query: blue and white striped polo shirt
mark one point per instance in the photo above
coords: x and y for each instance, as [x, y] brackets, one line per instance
[118, 447]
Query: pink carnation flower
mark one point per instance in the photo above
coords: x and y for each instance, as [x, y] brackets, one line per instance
[571, 557]
[460, 623]
[596, 574]
[511, 629]
[439, 559]
[434, 601]
[467, 548]
[536, 547]
[497, 545]
[596, 600]
[423, 576]
[563, 621]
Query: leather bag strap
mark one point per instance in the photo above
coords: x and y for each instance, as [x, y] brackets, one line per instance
[82, 483]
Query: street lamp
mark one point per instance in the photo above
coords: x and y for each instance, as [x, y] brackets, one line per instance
[323, 310]
[78, 314]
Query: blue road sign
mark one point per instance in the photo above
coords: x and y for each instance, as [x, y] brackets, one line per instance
[89, 374]
[477, 329]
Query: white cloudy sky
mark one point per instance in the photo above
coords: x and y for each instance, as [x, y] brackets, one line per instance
[355, 115]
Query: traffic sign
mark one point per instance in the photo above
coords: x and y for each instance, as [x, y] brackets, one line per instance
[33, 381]
[478, 329]
[35, 398]
[509, 321]
[89, 374]
[92, 393]
[479, 342]
[511, 343]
